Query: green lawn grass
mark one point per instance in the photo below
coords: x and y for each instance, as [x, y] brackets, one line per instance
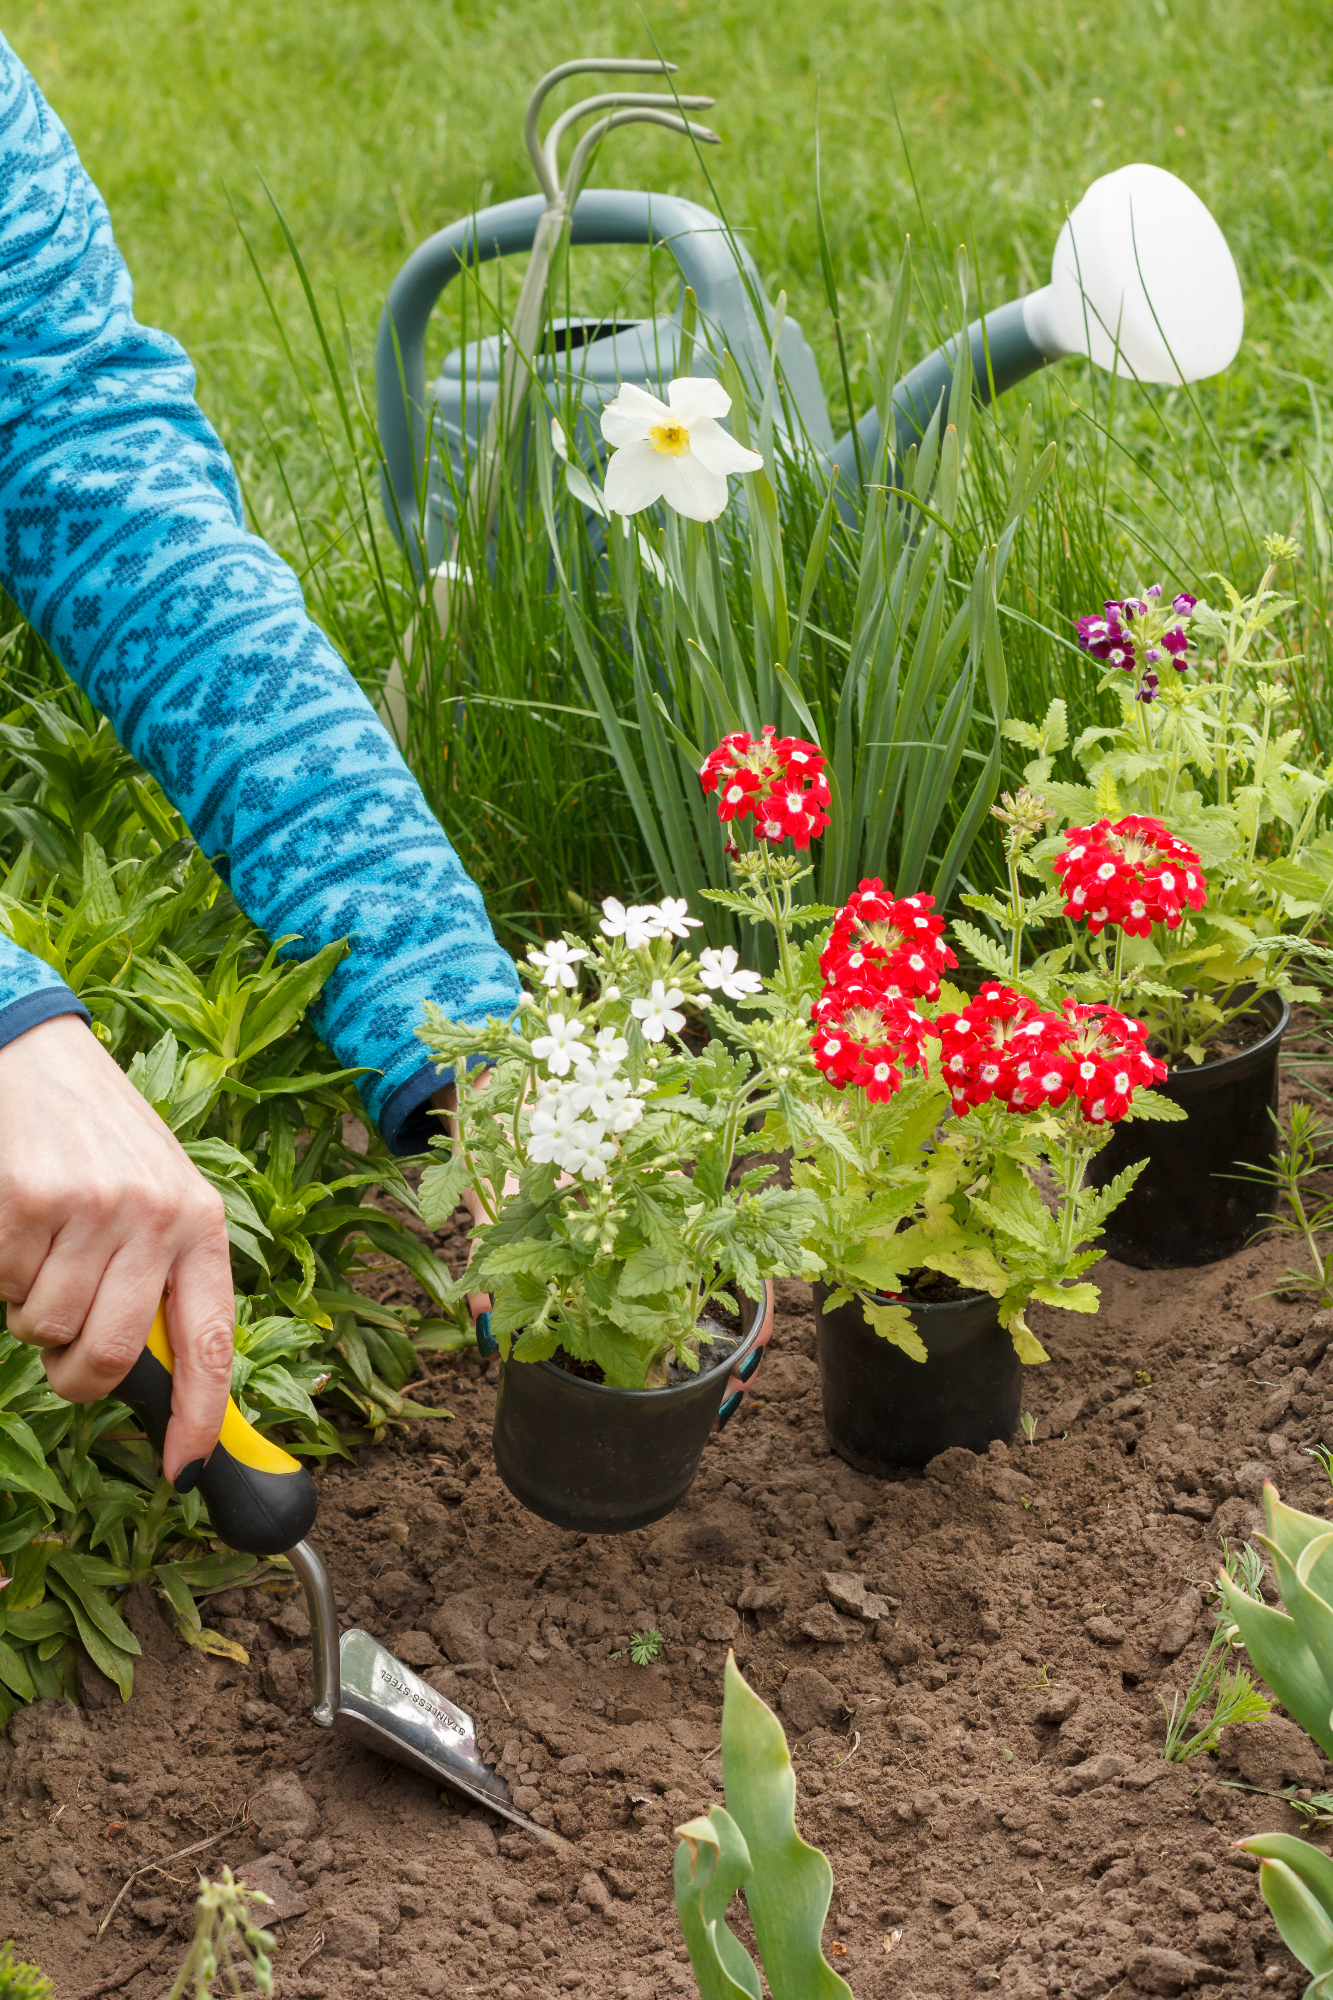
[374, 124]
[973, 124]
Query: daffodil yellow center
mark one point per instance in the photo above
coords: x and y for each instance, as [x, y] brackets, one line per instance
[670, 439]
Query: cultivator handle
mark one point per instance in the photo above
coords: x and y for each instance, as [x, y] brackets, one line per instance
[261, 1500]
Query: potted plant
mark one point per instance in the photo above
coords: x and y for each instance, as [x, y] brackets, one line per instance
[1195, 864]
[628, 1264]
[932, 1229]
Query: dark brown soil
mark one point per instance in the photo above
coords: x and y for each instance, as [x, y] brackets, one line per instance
[1231, 1040]
[981, 1763]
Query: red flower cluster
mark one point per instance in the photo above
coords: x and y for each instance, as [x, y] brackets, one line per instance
[1004, 1046]
[1134, 874]
[865, 1038]
[775, 781]
[893, 945]
[883, 952]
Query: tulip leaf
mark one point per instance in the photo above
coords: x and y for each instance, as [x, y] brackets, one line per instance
[1299, 1916]
[789, 1889]
[1314, 1867]
[712, 1861]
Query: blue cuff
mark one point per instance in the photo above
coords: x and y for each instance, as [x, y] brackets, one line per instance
[409, 1121]
[34, 1008]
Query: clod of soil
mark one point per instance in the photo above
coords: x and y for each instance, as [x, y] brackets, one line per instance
[970, 1665]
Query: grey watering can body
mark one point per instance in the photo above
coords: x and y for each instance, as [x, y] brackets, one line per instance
[591, 358]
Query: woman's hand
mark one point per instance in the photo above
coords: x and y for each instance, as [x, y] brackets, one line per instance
[101, 1213]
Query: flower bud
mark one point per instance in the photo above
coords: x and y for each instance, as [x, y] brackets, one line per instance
[611, 993]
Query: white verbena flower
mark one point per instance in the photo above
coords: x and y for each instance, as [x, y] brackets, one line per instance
[556, 962]
[638, 925]
[556, 1047]
[672, 914]
[657, 1013]
[674, 451]
[610, 1045]
[721, 969]
[548, 1134]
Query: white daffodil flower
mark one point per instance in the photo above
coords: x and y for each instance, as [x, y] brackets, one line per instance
[556, 1048]
[674, 451]
[672, 915]
[556, 962]
[638, 925]
[721, 969]
[657, 1013]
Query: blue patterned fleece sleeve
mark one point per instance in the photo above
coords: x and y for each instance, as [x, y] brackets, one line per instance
[121, 538]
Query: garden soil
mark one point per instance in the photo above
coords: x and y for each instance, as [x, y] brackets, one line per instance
[970, 1664]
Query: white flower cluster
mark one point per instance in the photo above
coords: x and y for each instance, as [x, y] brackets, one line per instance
[637, 925]
[575, 1123]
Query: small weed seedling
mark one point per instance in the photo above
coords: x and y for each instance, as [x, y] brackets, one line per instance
[1233, 1695]
[643, 1648]
[1142, 1379]
[1029, 1423]
[224, 1925]
[1324, 1455]
[19, 1981]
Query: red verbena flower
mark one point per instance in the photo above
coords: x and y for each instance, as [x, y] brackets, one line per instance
[777, 782]
[894, 944]
[1004, 1046]
[1132, 874]
[864, 1038]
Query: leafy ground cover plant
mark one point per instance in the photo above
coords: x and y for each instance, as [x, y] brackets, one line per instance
[98, 877]
[752, 1844]
[1196, 869]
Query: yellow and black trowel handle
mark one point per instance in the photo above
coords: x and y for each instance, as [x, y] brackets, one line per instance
[261, 1500]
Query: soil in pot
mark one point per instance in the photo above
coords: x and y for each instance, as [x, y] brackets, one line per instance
[980, 1763]
[1192, 1204]
[884, 1411]
[585, 1455]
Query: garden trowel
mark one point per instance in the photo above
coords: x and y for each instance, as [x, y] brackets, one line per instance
[263, 1502]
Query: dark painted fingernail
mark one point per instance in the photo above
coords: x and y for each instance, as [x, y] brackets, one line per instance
[189, 1476]
[486, 1340]
[729, 1409]
[750, 1363]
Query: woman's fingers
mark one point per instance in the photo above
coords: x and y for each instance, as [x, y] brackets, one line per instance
[100, 1209]
[200, 1320]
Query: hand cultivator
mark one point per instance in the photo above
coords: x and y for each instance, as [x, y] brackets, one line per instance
[1141, 280]
[263, 1501]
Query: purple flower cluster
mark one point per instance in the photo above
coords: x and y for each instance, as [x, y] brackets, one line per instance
[1111, 635]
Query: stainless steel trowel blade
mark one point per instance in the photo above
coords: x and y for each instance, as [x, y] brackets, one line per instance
[384, 1705]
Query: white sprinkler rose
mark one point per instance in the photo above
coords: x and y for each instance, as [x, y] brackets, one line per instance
[721, 970]
[657, 1014]
[674, 451]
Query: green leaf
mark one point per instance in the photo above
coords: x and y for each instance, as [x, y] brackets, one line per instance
[893, 1322]
[1303, 1921]
[23, 1467]
[14, 1673]
[712, 1861]
[1310, 1864]
[789, 1887]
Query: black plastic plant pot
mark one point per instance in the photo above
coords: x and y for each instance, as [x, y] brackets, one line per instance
[604, 1460]
[884, 1411]
[1192, 1204]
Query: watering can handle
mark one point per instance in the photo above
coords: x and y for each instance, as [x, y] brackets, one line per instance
[260, 1499]
[717, 267]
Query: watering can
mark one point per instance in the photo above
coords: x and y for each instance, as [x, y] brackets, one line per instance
[1141, 280]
